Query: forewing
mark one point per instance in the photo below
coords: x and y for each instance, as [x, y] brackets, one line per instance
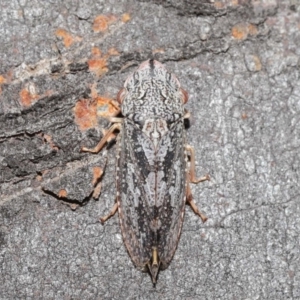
[135, 214]
[171, 189]
[151, 186]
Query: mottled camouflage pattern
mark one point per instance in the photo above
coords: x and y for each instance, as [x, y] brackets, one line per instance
[152, 165]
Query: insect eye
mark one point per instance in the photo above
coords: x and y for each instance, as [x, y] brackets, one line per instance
[138, 120]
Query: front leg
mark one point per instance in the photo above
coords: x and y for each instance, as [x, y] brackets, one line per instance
[107, 136]
[116, 126]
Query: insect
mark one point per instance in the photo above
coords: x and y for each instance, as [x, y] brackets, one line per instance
[153, 174]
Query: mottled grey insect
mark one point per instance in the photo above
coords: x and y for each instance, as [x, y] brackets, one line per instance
[152, 173]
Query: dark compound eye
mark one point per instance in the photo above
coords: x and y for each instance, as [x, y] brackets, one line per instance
[137, 118]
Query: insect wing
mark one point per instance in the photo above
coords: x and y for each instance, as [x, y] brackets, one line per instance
[135, 217]
[151, 184]
[172, 203]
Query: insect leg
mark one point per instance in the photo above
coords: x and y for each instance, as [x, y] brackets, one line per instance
[192, 178]
[191, 202]
[187, 114]
[111, 213]
[192, 172]
[115, 120]
[116, 106]
[104, 139]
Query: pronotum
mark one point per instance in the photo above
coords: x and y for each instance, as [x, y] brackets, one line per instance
[153, 174]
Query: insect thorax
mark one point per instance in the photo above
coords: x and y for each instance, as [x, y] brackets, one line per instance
[152, 94]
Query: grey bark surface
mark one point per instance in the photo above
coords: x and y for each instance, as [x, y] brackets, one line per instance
[239, 62]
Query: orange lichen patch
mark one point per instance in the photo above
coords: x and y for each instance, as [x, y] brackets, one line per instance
[102, 22]
[106, 107]
[225, 3]
[219, 4]
[244, 116]
[126, 17]
[240, 31]
[86, 111]
[62, 194]
[96, 52]
[98, 62]
[98, 66]
[257, 63]
[159, 50]
[67, 37]
[97, 173]
[252, 29]
[28, 97]
[85, 114]
[113, 52]
[2, 79]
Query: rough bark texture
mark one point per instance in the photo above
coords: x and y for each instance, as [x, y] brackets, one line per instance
[62, 61]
